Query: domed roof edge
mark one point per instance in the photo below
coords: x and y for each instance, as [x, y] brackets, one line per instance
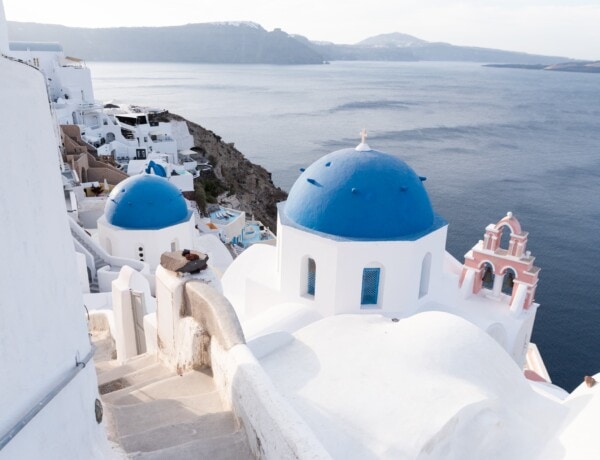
[438, 222]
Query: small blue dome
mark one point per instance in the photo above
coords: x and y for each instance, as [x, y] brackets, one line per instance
[146, 202]
[361, 195]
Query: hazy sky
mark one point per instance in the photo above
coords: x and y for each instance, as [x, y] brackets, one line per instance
[558, 27]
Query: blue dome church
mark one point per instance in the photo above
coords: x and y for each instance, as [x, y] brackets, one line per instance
[145, 215]
[357, 234]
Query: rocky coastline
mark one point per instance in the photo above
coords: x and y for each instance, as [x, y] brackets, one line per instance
[234, 180]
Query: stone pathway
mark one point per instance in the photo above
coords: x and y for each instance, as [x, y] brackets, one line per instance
[154, 413]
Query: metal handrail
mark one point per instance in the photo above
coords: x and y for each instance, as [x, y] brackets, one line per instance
[37, 408]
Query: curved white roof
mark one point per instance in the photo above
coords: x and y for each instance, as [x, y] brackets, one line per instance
[429, 386]
[579, 435]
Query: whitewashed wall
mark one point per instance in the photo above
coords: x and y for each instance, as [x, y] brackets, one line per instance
[43, 329]
[340, 264]
[125, 243]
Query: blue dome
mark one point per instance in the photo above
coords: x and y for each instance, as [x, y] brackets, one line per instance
[361, 195]
[146, 202]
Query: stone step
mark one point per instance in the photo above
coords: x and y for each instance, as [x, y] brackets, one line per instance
[114, 396]
[144, 416]
[105, 349]
[103, 366]
[130, 368]
[190, 384]
[199, 404]
[145, 374]
[203, 427]
[230, 447]
[132, 364]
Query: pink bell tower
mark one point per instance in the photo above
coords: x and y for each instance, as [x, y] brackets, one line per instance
[510, 267]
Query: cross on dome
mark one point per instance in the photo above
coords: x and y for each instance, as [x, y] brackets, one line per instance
[363, 146]
[363, 136]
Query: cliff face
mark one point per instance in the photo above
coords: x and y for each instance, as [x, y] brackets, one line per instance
[249, 187]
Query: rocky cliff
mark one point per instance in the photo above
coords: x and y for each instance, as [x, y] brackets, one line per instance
[238, 182]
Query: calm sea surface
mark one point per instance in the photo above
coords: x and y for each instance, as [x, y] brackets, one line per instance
[488, 140]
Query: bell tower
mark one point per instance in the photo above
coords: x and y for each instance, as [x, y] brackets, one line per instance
[510, 269]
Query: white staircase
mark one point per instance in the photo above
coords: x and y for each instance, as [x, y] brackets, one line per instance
[154, 413]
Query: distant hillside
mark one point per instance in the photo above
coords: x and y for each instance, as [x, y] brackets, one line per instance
[394, 39]
[233, 42]
[249, 43]
[402, 47]
[573, 66]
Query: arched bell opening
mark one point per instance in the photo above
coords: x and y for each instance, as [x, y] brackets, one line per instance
[508, 282]
[487, 276]
[505, 237]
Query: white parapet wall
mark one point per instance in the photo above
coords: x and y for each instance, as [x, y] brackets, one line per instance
[180, 339]
[274, 429]
[197, 327]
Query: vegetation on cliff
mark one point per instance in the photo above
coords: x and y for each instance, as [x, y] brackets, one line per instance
[234, 180]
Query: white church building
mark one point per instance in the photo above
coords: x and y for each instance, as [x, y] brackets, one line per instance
[358, 235]
[144, 216]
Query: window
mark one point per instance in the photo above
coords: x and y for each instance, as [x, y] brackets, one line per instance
[370, 286]
[311, 277]
[126, 120]
[425, 272]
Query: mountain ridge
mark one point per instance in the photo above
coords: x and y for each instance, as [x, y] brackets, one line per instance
[244, 42]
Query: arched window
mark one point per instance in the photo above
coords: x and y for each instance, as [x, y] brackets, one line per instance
[425, 272]
[311, 276]
[370, 287]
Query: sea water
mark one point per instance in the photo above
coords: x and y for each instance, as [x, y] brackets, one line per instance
[488, 140]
